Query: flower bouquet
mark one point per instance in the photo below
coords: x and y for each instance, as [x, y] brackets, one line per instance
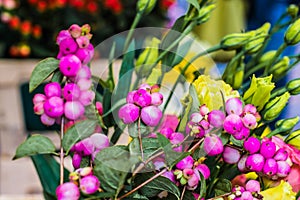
[164, 127]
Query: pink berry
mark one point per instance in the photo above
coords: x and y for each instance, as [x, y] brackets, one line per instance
[142, 98]
[233, 124]
[167, 131]
[87, 97]
[84, 55]
[253, 186]
[176, 138]
[99, 107]
[73, 110]
[268, 149]
[54, 107]
[270, 167]
[204, 170]
[76, 160]
[85, 147]
[84, 84]
[82, 41]
[216, 118]
[156, 99]
[84, 73]
[170, 175]
[89, 184]
[52, 90]
[213, 145]
[69, 65]
[246, 196]
[255, 162]
[68, 46]
[39, 98]
[85, 171]
[63, 34]
[234, 106]
[242, 163]
[231, 155]
[204, 124]
[196, 117]
[145, 86]
[249, 121]
[67, 191]
[186, 163]
[252, 145]
[151, 115]
[129, 98]
[203, 110]
[71, 92]
[129, 113]
[281, 154]
[46, 120]
[242, 134]
[100, 141]
[38, 108]
[249, 108]
[193, 181]
[283, 168]
[75, 30]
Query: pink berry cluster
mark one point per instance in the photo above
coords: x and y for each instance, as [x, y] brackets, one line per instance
[142, 103]
[249, 192]
[75, 51]
[81, 180]
[89, 146]
[240, 120]
[265, 158]
[188, 171]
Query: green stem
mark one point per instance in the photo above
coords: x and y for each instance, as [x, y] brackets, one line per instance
[271, 62]
[208, 51]
[272, 133]
[279, 92]
[253, 70]
[235, 58]
[136, 20]
[140, 138]
[61, 180]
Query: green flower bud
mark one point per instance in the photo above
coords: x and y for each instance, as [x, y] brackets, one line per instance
[293, 86]
[146, 5]
[293, 10]
[183, 181]
[285, 126]
[257, 42]
[204, 13]
[292, 34]
[238, 77]
[280, 68]
[294, 139]
[266, 57]
[259, 91]
[236, 40]
[275, 106]
[147, 58]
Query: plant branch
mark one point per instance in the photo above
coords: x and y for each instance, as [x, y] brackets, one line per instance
[61, 181]
[182, 194]
[143, 184]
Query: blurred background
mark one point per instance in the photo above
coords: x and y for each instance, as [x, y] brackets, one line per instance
[28, 29]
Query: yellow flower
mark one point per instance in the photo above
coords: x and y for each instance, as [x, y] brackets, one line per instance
[281, 192]
[210, 91]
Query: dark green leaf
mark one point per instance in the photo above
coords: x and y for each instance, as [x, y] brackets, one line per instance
[223, 186]
[236, 142]
[116, 135]
[172, 157]
[203, 186]
[57, 76]
[112, 165]
[35, 144]
[108, 120]
[48, 170]
[78, 131]
[100, 195]
[156, 186]
[42, 71]
[188, 195]
[136, 196]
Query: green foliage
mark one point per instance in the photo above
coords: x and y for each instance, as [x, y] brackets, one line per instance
[35, 144]
[42, 71]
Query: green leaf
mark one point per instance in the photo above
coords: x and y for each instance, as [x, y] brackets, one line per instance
[116, 135]
[100, 195]
[116, 105]
[125, 74]
[172, 157]
[48, 171]
[187, 102]
[194, 3]
[35, 144]
[223, 186]
[107, 101]
[112, 165]
[57, 76]
[181, 52]
[78, 131]
[136, 196]
[203, 186]
[156, 186]
[42, 71]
